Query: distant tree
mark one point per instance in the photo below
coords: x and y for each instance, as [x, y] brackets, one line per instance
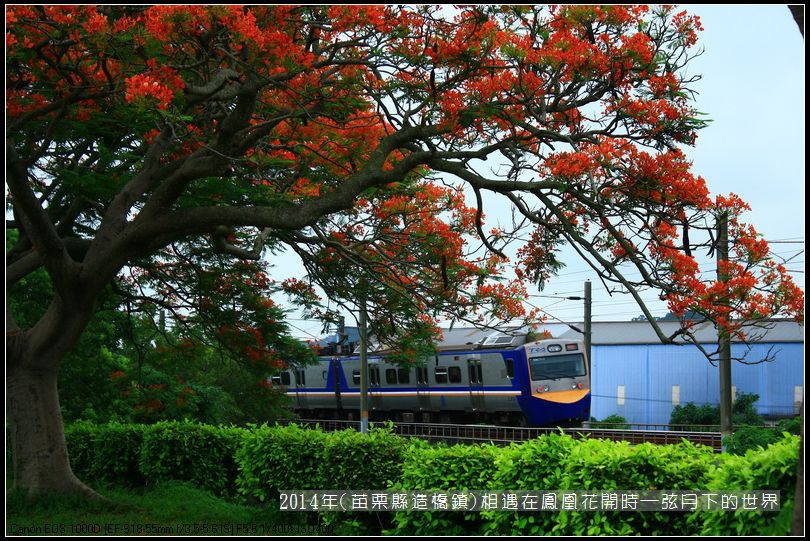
[743, 413]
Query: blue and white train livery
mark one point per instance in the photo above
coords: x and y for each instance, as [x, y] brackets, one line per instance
[538, 383]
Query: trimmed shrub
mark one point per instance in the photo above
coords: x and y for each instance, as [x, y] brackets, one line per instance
[184, 451]
[280, 458]
[355, 461]
[535, 465]
[611, 421]
[80, 437]
[604, 465]
[773, 468]
[264, 460]
[458, 467]
[106, 454]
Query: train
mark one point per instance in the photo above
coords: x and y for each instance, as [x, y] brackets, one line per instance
[502, 379]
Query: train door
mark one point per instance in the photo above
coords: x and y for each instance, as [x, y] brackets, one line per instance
[476, 383]
[335, 368]
[374, 391]
[300, 386]
[422, 389]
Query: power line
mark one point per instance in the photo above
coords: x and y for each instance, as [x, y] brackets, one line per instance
[303, 331]
[663, 401]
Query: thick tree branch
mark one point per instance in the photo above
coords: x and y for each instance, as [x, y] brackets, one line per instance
[40, 230]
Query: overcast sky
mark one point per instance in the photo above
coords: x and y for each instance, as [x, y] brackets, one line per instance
[753, 91]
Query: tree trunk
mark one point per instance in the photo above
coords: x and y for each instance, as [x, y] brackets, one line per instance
[39, 453]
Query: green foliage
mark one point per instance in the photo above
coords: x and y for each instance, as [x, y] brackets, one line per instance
[352, 460]
[611, 421]
[773, 468]
[607, 465]
[743, 413]
[142, 370]
[276, 458]
[791, 426]
[263, 460]
[106, 454]
[89, 365]
[458, 467]
[201, 454]
[747, 438]
[534, 465]
[694, 418]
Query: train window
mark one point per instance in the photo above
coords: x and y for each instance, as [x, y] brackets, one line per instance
[300, 377]
[510, 368]
[567, 365]
[285, 378]
[391, 376]
[454, 373]
[356, 377]
[441, 374]
[374, 376]
[404, 375]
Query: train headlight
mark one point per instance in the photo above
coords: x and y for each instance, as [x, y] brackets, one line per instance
[580, 385]
[573, 385]
[545, 388]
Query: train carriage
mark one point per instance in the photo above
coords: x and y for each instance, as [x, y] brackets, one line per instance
[499, 379]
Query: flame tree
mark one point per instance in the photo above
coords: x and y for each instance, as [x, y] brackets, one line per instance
[134, 134]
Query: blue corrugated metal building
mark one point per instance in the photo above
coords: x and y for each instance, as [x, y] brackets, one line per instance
[637, 377]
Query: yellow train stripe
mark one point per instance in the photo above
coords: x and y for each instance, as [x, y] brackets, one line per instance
[563, 397]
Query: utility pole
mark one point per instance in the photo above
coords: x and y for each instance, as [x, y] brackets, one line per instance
[363, 366]
[588, 324]
[341, 334]
[341, 322]
[587, 332]
[723, 336]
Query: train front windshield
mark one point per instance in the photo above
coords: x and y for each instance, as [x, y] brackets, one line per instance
[568, 365]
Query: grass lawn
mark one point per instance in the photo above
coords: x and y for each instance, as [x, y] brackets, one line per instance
[168, 509]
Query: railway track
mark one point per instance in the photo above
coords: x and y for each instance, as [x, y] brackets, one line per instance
[453, 433]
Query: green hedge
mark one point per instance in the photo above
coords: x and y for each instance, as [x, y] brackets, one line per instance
[608, 465]
[186, 451]
[106, 454]
[258, 462]
[352, 460]
[534, 465]
[457, 467]
[773, 468]
[279, 458]
[295, 458]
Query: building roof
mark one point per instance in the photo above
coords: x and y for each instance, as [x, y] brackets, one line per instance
[624, 332]
[603, 333]
[641, 332]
